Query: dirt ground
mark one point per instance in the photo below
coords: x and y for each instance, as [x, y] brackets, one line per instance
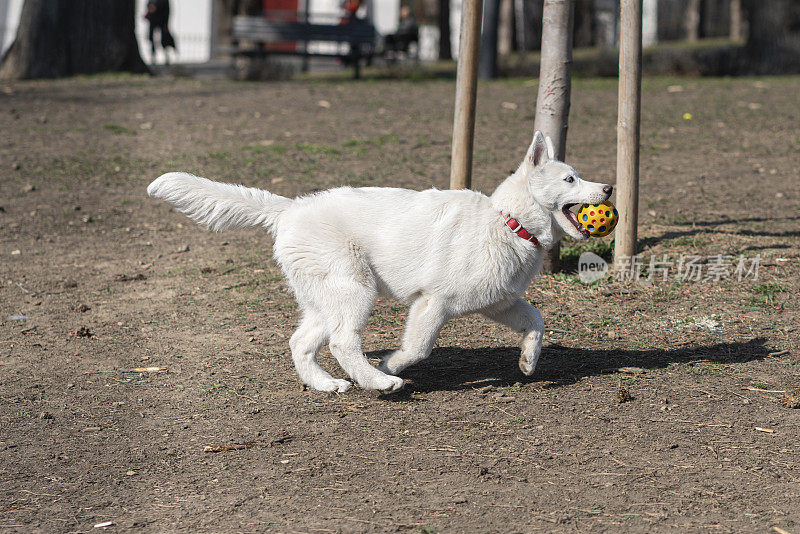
[146, 339]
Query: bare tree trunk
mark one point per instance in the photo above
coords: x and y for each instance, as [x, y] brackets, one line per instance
[466, 89]
[773, 41]
[582, 34]
[736, 20]
[222, 23]
[628, 123]
[505, 28]
[649, 22]
[519, 19]
[693, 20]
[445, 51]
[552, 103]
[487, 63]
[65, 37]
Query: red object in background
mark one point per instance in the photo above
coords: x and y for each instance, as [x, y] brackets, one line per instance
[285, 10]
[350, 8]
[279, 5]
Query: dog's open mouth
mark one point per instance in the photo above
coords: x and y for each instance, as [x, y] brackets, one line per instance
[573, 218]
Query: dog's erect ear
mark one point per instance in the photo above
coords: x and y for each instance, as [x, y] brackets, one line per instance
[537, 152]
[551, 150]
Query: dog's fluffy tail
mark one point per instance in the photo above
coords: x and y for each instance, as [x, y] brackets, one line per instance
[219, 206]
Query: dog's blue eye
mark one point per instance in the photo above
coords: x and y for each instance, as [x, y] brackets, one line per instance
[569, 179]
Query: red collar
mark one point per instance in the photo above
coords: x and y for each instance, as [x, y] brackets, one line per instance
[517, 228]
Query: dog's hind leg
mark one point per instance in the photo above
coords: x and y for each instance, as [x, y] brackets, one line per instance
[305, 343]
[523, 317]
[425, 319]
[348, 307]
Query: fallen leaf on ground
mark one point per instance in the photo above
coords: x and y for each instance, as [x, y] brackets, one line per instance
[247, 444]
[791, 400]
[128, 278]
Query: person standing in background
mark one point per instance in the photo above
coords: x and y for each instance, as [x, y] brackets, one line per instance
[407, 33]
[158, 16]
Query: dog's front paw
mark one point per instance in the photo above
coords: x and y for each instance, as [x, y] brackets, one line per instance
[392, 385]
[385, 384]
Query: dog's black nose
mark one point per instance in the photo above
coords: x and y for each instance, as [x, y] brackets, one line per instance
[607, 189]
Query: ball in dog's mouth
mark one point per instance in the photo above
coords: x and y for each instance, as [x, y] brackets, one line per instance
[599, 219]
[573, 218]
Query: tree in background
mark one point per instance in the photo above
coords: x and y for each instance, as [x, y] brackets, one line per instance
[735, 12]
[444, 30]
[555, 85]
[59, 38]
[773, 41]
[583, 34]
[692, 21]
[487, 62]
[505, 28]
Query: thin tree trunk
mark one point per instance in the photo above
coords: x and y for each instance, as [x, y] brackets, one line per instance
[773, 41]
[693, 20]
[505, 28]
[584, 15]
[223, 12]
[466, 88]
[649, 22]
[59, 38]
[445, 51]
[552, 103]
[736, 20]
[628, 121]
[521, 27]
[487, 65]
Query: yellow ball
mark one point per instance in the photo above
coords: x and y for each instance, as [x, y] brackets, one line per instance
[598, 219]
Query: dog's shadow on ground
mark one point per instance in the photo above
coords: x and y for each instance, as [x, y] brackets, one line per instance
[698, 227]
[453, 368]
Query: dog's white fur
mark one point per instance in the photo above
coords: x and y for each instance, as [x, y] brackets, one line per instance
[444, 253]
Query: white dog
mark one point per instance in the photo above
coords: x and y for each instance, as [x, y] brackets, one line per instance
[444, 253]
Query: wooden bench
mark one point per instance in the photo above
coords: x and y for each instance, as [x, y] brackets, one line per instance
[358, 34]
